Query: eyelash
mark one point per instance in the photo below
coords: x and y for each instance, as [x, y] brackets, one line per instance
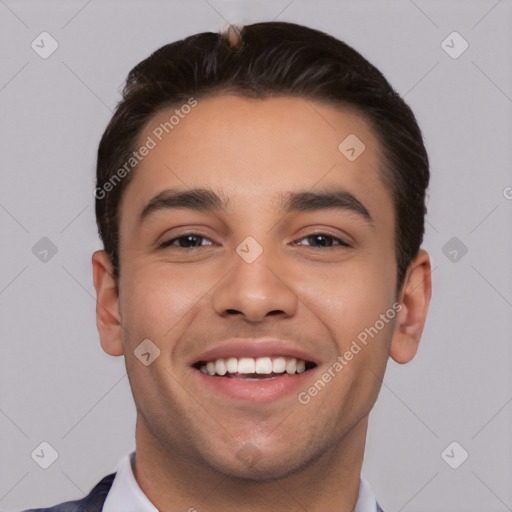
[168, 243]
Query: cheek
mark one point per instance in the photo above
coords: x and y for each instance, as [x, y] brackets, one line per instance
[155, 300]
[350, 296]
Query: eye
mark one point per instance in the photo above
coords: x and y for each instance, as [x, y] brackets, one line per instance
[191, 240]
[185, 241]
[323, 240]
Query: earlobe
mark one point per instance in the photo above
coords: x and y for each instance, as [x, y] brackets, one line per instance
[415, 300]
[108, 319]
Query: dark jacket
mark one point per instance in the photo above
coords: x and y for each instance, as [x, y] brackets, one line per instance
[93, 502]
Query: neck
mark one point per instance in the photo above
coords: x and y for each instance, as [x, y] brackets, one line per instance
[171, 480]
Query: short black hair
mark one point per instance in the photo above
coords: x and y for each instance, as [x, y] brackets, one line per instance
[259, 61]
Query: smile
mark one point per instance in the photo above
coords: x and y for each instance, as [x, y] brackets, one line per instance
[254, 368]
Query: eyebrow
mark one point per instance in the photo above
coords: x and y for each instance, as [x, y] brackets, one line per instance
[203, 199]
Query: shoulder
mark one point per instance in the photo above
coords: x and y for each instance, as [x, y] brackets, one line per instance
[93, 502]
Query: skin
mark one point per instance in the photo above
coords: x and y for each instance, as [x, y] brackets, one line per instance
[188, 299]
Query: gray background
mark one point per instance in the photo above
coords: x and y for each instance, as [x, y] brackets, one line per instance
[58, 386]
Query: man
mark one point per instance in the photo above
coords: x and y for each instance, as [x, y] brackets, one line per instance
[261, 200]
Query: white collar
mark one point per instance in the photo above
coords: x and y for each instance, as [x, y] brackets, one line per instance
[126, 495]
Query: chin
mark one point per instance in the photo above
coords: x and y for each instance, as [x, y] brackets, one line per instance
[259, 465]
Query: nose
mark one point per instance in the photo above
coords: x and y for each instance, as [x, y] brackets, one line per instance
[256, 290]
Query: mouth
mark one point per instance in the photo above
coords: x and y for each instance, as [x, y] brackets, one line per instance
[252, 380]
[253, 370]
[256, 369]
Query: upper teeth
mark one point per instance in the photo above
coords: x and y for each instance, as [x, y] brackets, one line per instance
[259, 365]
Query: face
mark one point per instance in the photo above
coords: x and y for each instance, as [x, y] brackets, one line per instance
[257, 287]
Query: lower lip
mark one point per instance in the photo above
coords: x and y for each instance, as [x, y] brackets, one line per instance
[255, 390]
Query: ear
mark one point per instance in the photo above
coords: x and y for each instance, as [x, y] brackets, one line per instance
[414, 299]
[108, 319]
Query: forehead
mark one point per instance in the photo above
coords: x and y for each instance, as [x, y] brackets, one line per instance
[253, 152]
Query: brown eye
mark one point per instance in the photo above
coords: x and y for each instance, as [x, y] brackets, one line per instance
[186, 241]
[324, 240]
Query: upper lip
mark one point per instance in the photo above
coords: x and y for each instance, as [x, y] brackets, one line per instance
[254, 347]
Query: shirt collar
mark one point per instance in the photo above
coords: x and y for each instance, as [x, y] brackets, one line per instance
[126, 495]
